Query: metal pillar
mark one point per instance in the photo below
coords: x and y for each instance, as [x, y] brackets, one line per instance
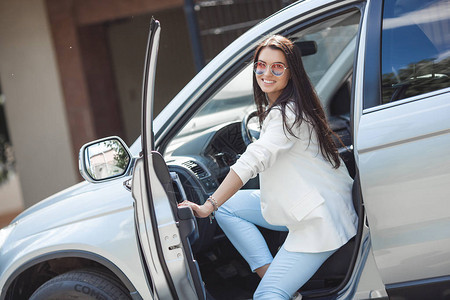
[194, 34]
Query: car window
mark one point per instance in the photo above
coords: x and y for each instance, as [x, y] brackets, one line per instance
[415, 50]
[332, 37]
[236, 94]
[331, 66]
[328, 68]
[229, 104]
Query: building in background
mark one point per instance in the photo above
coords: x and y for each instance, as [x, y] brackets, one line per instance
[214, 24]
[71, 72]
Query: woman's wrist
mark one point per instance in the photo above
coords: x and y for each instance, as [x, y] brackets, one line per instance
[211, 209]
[213, 202]
[209, 206]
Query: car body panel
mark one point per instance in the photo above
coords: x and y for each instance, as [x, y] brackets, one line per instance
[77, 189]
[366, 276]
[158, 227]
[401, 150]
[83, 223]
[404, 165]
[146, 237]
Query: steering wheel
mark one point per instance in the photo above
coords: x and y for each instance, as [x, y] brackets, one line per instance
[250, 128]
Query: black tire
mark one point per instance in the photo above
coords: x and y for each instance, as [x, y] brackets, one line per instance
[82, 285]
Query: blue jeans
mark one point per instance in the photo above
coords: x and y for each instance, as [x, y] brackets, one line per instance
[288, 271]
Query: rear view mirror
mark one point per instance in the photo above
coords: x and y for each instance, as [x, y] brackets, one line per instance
[307, 47]
[104, 159]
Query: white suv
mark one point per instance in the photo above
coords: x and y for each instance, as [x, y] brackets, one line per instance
[381, 69]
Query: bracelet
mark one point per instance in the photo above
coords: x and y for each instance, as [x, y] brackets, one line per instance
[213, 201]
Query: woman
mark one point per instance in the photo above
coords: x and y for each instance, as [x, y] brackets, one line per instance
[305, 187]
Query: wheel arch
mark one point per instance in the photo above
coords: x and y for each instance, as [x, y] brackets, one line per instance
[44, 267]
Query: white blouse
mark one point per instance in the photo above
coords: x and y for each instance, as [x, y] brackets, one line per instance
[300, 189]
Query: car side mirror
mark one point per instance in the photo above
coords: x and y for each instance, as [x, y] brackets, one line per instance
[104, 160]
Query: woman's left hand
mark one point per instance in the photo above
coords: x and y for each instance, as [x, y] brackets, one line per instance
[200, 211]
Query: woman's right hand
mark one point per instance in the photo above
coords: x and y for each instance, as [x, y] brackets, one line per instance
[200, 211]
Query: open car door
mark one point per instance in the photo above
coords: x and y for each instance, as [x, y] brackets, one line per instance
[165, 231]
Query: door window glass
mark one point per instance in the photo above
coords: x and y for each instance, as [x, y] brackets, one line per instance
[331, 37]
[330, 67]
[415, 48]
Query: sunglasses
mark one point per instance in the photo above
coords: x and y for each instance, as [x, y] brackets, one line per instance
[277, 69]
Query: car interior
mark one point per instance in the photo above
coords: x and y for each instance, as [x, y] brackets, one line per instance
[201, 153]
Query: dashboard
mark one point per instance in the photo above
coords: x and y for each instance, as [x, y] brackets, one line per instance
[203, 162]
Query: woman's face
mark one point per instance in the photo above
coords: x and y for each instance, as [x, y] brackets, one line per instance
[269, 83]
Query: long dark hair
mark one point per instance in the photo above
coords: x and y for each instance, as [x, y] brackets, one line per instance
[301, 93]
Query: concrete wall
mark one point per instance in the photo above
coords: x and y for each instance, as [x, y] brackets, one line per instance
[45, 80]
[11, 202]
[34, 103]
